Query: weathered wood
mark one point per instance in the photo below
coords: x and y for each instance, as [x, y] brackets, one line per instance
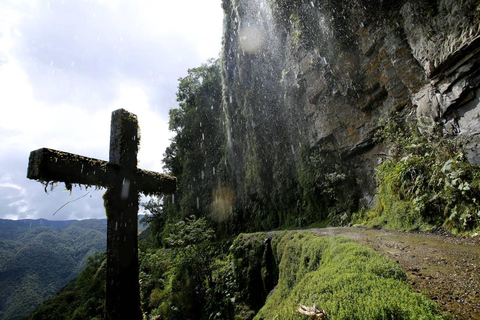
[121, 203]
[124, 181]
[52, 165]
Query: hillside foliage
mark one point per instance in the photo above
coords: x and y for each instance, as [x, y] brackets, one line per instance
[197, 153]
[82, 298]
[425, 182]
[195, 277]
[39, 257]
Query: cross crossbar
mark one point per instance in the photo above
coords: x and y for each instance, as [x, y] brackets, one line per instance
[52, 165]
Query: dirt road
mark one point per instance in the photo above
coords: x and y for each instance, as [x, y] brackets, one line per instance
[444, 267]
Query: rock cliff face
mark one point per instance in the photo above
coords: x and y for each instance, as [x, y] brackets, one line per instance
[306, 83]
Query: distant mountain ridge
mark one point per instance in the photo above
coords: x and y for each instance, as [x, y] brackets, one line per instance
[13, 227]
[39, 257]
[28, 223]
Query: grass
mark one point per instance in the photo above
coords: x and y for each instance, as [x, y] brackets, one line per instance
[347, 280]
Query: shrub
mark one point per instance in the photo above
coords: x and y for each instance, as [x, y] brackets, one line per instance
[425, 182]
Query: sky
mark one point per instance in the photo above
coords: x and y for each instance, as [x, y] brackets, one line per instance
[66, 65]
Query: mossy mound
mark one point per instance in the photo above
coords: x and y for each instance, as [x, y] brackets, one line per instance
[347, 280]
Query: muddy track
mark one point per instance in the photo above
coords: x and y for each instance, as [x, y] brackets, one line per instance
[444, 267]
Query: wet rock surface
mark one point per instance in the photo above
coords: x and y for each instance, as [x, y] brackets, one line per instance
[308, 76]
[444, 267]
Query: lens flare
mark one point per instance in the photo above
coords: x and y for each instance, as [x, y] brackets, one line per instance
[251, 38]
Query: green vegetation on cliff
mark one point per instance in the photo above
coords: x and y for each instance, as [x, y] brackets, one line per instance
[190, 278]
[425, 182]
[197, 154]
[347, 280]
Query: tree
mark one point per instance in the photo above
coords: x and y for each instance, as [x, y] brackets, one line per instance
[195, 155]
[190, 280]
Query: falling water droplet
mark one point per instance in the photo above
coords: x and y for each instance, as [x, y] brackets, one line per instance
[313, 4]
[203, 175]
[173, 196]
[81, 170]
[125, 189]
[198, 203]
[213, 170]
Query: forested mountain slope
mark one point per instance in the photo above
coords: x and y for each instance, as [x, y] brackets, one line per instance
[38, 257]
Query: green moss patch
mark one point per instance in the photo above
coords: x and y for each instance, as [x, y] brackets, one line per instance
[347, 280]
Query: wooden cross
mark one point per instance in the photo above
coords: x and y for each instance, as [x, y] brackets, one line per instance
[123, 182]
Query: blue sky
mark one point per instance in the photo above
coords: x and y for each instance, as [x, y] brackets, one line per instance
[66, 65]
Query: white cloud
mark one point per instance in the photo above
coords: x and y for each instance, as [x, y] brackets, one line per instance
[66, 65]
[21, 205]
[18, 188]
[13, 196]
[198, 22]
[154, 129]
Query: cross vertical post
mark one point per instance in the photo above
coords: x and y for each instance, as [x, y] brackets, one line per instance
[121, 203]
